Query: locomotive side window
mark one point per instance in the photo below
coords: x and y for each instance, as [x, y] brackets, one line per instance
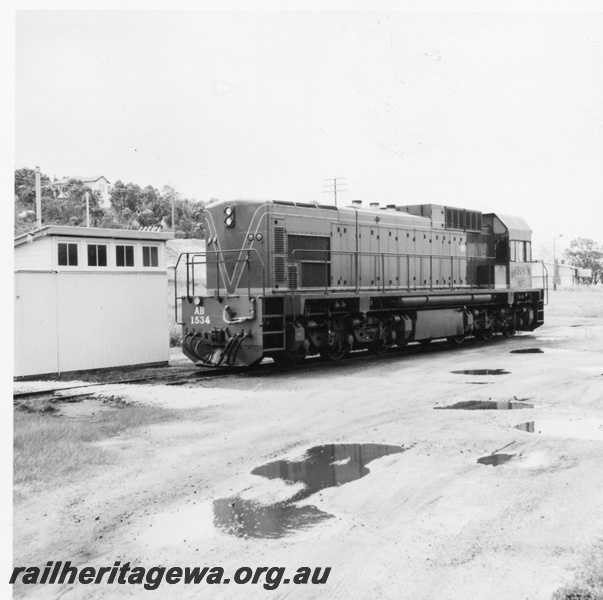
[67, 254]
[97, 255]
[501, 252]
[124, 256]
[150, 256]
[520, 251]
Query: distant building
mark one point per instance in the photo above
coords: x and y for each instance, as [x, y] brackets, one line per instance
[544, 274]
[89, 298]
[97, 183]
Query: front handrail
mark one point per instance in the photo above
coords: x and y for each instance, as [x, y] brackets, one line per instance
[219, 255]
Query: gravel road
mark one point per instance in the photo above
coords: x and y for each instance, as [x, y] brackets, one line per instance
[418, 518]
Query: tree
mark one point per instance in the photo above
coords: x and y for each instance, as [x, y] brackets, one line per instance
[586, 254]
[25, 185]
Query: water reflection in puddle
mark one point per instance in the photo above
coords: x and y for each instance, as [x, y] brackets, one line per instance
[321, 467]
[483, 405]
[495, 459]
[528, 351]
[482, 372]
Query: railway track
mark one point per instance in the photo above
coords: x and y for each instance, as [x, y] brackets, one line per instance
[206, 373]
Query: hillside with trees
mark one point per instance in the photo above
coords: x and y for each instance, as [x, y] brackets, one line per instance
[132, 207]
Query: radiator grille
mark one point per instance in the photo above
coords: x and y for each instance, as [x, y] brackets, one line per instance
[458, 218]
[293, 277]
[279, 269]
[279, 240]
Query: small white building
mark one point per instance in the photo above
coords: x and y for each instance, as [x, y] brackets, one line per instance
[89, 298]
[97, 183]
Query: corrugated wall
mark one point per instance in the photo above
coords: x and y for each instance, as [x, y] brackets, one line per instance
[36, 341]
[99, 320]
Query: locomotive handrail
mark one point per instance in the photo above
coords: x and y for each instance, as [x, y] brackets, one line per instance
[191, 264]
[545, 280]
[327, 254]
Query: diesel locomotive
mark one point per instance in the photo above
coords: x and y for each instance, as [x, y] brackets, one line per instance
[288, 279]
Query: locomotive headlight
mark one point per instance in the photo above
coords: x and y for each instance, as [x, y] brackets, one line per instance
[230, 216]
[250, 237]
[197, 300]
[259, 237]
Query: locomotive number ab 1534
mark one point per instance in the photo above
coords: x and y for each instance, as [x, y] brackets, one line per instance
[284, 280]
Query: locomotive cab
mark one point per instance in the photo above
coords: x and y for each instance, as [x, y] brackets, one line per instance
[510, 247]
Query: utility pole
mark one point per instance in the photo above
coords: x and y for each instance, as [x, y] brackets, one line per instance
[38, 199]
[87, 209]
[173, 217]
[333, 185]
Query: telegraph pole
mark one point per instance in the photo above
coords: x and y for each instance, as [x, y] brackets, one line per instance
[38, 199]
[87, 209]
[332, 186]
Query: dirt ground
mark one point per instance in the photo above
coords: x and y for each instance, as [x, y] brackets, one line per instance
[428, 522]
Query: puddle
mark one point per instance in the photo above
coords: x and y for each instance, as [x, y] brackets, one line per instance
[528, 351]
[495, 459]
[484, 405]
[529, 427]
[482, 372]
[582, 429]
[321, 467]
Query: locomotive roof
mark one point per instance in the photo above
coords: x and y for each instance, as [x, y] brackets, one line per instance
[516, 227]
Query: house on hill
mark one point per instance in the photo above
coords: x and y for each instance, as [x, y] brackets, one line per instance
[97, 183]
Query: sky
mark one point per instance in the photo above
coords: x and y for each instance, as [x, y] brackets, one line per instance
[493, 111]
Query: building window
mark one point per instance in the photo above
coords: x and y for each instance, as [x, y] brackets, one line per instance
[124, 256]
[97, 255]
[150, 256]
[67, 255]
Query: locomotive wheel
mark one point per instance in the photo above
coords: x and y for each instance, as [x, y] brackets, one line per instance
[333, 354]
[485, 334]
[507, 331]
[457, 339]
[379, 348]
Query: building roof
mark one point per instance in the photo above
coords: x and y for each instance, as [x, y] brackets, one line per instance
[93, 232]
[89, 179]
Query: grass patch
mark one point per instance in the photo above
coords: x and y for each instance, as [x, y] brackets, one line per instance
[588, 584]
[49, 449]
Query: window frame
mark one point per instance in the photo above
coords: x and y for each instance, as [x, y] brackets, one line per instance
[150, 252]
[96, 255]
[68, 255]
[124, 248]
